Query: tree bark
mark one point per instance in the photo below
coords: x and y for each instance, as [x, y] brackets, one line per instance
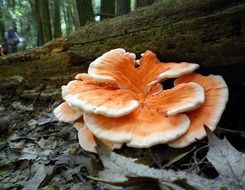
[85, 11]
[35, 12]
[75, 15]
[122, 7]
[69, 19]
[56, 21]
[2, 28]
[107, 9]
[45, 20]
[11, 4]
[142, 3]
[211, 33]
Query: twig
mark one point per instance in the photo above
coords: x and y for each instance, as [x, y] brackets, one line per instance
[233, 132]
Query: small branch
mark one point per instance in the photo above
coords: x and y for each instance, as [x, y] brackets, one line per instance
[233, 132]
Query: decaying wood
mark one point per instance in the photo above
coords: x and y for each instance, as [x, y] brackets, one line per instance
[211, 33]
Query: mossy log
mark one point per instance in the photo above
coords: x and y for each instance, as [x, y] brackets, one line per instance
[211, 33]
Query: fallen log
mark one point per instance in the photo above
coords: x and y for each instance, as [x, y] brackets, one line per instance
[211, 33]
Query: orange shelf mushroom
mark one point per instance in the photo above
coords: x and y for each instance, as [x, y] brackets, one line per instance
[209, 114]
[121, 100]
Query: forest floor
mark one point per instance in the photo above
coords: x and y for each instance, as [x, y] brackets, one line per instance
[39, 152]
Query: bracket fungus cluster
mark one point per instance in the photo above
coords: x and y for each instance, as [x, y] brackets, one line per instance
[122, 100]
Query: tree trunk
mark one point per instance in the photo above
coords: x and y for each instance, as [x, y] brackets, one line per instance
[211, 33]
[85, 11]
[56, 21]
[35, 12]
[107, 9]
[75, 17]
[2, 28]
[64, 10]
[122, 7]
[142, 3]
[11, 4]
[45, 20]
[69, 19]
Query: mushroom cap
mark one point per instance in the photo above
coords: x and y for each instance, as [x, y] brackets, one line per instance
[100, 68]
[175, 70]
[119, 85]
[119, 66]
[151, 70]
[137, 130]
[98, 97]
[87, 140]
[66, 113]
[183, 97]
[209, 114]
[157, 119]
[85, 137]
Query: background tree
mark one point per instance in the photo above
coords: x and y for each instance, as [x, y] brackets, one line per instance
[35, 12]
[85, 11]
[142, 3]
[11, 3]
[2, 28]
[26, 27]
[75, 15]
[122, 7]
[45, 20]
[56, 21]
[68, 16]
[107, 9]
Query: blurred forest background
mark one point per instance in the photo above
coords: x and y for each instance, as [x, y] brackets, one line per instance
[39, 21]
